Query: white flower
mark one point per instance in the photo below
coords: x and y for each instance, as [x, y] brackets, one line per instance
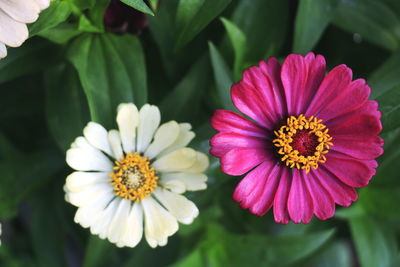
[141, 191]
[14, 15]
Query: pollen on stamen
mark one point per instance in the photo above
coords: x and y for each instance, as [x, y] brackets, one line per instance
[303, 142]
[133, 177]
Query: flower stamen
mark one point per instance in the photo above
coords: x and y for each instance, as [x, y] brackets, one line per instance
[303, 142]
[133, 177]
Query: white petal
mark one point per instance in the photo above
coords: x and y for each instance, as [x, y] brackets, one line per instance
[191, 181]
[25, 11]
[159, 223]
[176, 161]
[81, 142]
[88, 214]
[119, 222]
[184, 138]
[43, 4]
[101, 225]
[164, 137]
[12, 33]
[183, 209]
[150, 118]
[82, 159]
[175, 186]
[78, 181]
[81, 198]
[200, 165]
[97, 136]
[3, 50]
[128, 120]
[115, 142]
[134, 229]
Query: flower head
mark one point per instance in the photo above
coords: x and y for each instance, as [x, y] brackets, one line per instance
[14, 15]
[130, 181]
[311, 139]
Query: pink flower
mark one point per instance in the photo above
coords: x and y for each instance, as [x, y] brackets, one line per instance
[311, 139]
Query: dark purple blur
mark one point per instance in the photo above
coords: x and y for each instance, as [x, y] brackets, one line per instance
[121, 18]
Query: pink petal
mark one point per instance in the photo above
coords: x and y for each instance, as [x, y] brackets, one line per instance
[229, 121]
[323, 204]
[363, 149]
[264, 202]
[281, 213]
[333, 84]
[341, 193]
[301, 77]
[353, 172]
[221, 143]
[251, 186]
[300, 205]
[260, 94]
[250, 102]
[362, 124]
[240, 160]
[347, 100]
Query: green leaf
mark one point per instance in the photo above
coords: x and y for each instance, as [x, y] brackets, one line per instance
[65, 105]
[222, 76]
[375, 242]
[193, 16]
[85, 25]
[61, 33]
[373, 20]
[386, 76]
[112, 71]
[184, 101]
[389, 105]
[382, 202]
[220, 248]
[139, 5]
[31, 57]
[258, 19]
[337, 254]
[312, 18]
[58, 12]
[97, 252]
[238, 41]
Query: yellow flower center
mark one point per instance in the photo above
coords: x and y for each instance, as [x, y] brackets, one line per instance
[303, 142]
[133, 177]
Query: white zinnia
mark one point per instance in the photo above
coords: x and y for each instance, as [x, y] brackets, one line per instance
[14, 15]
[140, 137]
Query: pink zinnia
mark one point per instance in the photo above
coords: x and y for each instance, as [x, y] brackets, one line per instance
[310, 141]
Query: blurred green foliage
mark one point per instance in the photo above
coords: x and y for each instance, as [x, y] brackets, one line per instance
[72, 71]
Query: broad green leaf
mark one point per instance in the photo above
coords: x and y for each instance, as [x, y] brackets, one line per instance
[31, 57]
[312, 17]
[222, 76]
[61, 33]
[258, 19]
[336, 254]
[85, 25]
[375, 242]
[139, 5]
[193, 16]
[58, 12]
[373, 20]
[112, 71]
[48, 240]
[238, 41]
[389, 105]
[183, 103]
[381, 202]
[222, 248]
[386, 76]
[97, 252]
[66, 107]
